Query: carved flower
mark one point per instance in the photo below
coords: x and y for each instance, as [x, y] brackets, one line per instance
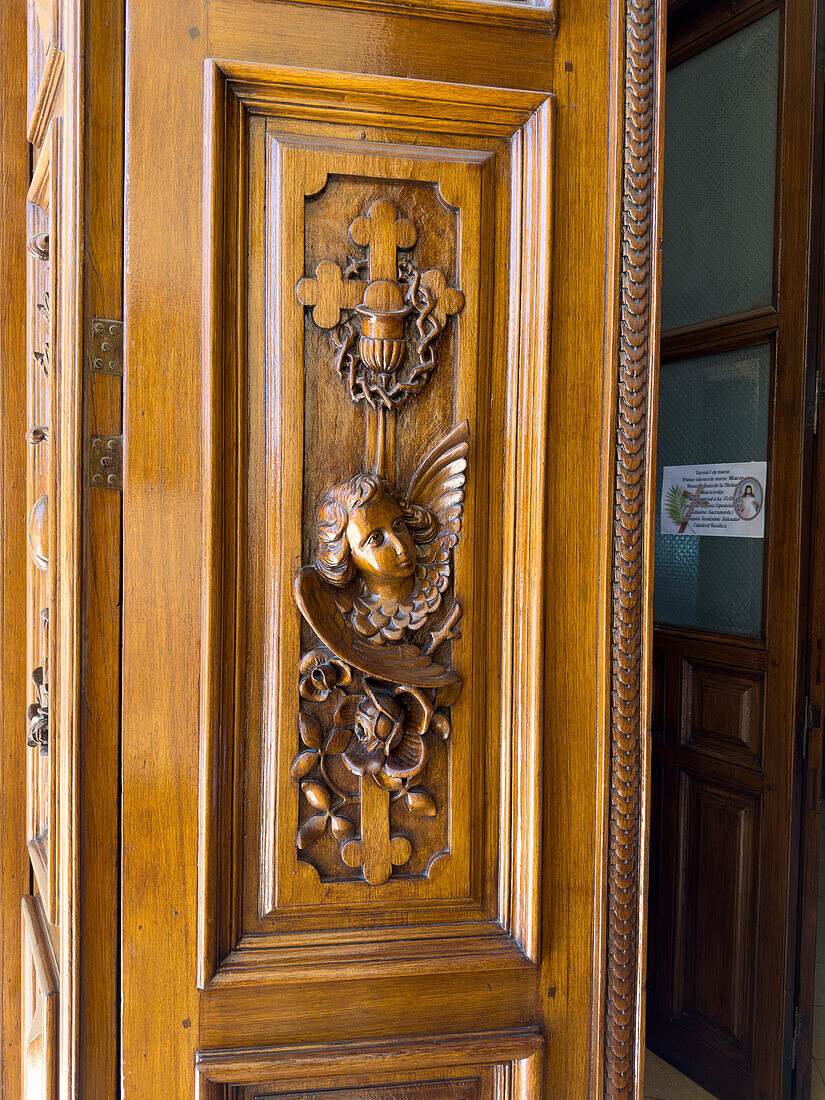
[321, 673]
[318, 796]
[386, 733]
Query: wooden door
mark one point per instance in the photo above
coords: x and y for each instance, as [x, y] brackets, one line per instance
[363, 788]
[737, 386]
[61, 608]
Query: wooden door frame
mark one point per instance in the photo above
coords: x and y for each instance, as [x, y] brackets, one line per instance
[14, 182]
[631, 519]
[813, 670]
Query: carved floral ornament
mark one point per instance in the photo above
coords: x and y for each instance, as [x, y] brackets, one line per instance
[376, 688]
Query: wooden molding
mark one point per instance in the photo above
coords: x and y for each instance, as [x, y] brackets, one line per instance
[39, 190]
[523, 16]
[371, 1063]
[495, 921]
[41, 988]
[49, 94]
[631, 550]
[737, 330]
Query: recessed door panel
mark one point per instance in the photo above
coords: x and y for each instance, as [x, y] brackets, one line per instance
[367, 351]
[719, 836]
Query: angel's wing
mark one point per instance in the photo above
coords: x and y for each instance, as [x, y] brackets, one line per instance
[401, 664]
[439, 481]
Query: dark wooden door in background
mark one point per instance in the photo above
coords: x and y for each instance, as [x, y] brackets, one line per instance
[736, 386]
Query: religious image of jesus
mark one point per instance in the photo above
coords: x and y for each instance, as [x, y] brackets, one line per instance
[747, 499]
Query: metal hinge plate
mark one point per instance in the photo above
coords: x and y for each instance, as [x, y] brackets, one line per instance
[106, 353]
[106, 461]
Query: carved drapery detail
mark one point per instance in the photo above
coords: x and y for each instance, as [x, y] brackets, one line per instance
[626, 732]
[376, 686]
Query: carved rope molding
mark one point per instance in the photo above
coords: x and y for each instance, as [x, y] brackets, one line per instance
[625, 878]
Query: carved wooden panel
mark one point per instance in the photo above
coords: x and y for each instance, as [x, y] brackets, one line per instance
[382, 522]
[715, 911]
[491, 1065]
[721, 712]
[371, 732]
[437, 1090]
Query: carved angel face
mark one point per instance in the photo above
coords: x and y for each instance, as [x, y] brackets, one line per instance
[380, 541]
[365, 529]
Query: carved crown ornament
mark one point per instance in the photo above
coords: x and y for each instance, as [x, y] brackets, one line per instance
[376, 687]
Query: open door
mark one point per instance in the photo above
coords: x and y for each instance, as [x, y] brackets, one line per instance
[369, 455]
[736, 419]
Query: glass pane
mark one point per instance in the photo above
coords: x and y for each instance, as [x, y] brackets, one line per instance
[711, 409]
[719, 171]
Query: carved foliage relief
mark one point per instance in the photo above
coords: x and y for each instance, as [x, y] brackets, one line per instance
[376, 589]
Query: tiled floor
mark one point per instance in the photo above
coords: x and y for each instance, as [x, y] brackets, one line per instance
[663, 1082]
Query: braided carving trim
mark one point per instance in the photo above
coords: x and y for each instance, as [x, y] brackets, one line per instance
[627, 584]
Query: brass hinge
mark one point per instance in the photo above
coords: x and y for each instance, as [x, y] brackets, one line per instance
[106, 352]
[106, 461]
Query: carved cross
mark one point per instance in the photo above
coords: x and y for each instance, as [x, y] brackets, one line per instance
[377, 852]
[383, 233]
[329, 292]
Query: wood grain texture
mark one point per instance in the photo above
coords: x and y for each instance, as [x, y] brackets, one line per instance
[515, 1058]
[13, 555]
[98, 719]
[517, 14]
[632, 531]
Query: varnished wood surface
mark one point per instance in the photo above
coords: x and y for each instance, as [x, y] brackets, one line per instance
[552, 903]
[13, 186]
[163, 529]
[98, 730]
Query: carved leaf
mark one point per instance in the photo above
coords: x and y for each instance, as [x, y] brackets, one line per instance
[338, 740]
[311, 831]
[388, 782]
[316, 795]
[440, 724]
[345, 711]
[304, 763]
[420, 803]
[447, 695]
[342, 827]
[310, 730]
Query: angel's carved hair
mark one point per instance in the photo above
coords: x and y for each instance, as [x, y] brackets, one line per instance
[334, 559]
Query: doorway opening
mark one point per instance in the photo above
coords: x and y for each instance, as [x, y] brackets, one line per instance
[738, 611]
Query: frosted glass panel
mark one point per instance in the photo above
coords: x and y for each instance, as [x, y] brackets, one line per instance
[719, 170]
[711, 409]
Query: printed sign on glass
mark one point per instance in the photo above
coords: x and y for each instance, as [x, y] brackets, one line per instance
[723, 499]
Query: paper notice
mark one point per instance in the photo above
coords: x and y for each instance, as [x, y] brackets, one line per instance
[715, 499]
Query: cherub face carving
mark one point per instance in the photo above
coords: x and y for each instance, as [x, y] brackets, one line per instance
[381, 545]
[365, 530]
